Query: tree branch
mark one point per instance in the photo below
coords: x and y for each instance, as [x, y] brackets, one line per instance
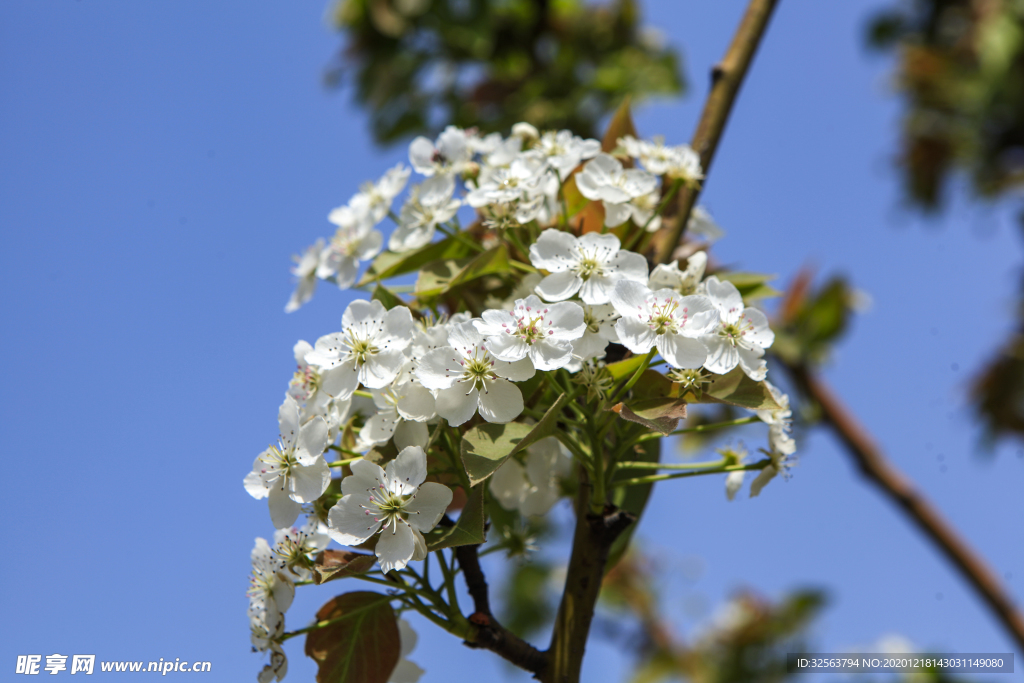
[876, 467]
[488, 633]
[726, 78]
[592, 540]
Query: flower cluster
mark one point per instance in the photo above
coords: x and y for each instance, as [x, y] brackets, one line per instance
[518, 308]
[272, 588]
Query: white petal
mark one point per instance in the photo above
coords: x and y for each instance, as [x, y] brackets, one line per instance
[752, 363]
[312, 440]
[283, 510]
[551, 354]
[439, 368]
[629, 266]
[733, 483]
[288, 421]
[411, 434]
[509, 485]
[726, 298]
[428, 505]
[407, 471]
[559, 286]
[680, 351]
[254, 484]
[761, 334]
[722, 356]
[309, 482]
[349, 522]
[340, 381]
[636, 336]
[416, 403]
[395, 547]
[501, 401]
[553, 251]
[365, 475]
[765, 476]
[456, 405]
[564, 321]
[630, 299]
[517, 371]
[379, 428]
[615, 214]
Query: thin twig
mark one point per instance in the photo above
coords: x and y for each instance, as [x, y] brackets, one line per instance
[726, 78]
[488, 633]
[876, 467]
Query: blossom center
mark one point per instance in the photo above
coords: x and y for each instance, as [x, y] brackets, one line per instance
[477, 371]
[665, 316]
[733, 333]
[360, 348]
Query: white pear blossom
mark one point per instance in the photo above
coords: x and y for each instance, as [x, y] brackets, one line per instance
[533, 489]
[664, 320]
[305, 385]
[703, 225]
[564, 151]
[779, 422]
[449, 156]
[278, 667]
[294, 471]
[733, 483]
[780, 444]
[600, 331]
[374, 199]
[668, 276]
[641, 209]
[519, 181]
[403, 407]
[355, 240]
[429, 204]
[394, 501]
[405, 670]
[589, 265]
[368, 350]
[468, 378]
[271, 592]
[605, 179]
[680, 162]
[533, 329]
[296, 547]
[305, 271]
[741, 335]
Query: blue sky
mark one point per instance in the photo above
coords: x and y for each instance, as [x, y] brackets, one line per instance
[162, 161]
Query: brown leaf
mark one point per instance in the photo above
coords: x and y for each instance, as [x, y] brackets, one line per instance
[620, 125]
[360, 641]
[337, 564]
[660, 414]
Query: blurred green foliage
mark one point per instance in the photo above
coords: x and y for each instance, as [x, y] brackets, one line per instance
[960, 72]
[418, 65]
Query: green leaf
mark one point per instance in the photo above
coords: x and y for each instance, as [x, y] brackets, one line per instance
[625, 368]
[337, 564]
[386, 297]
[437, 278]
[389, 264]
[736, 389]
[469, 530]
[358, 642]
[660, 414]
[751, 285]
[486, 446]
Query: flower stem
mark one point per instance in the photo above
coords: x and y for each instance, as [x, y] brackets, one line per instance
[759, 465]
